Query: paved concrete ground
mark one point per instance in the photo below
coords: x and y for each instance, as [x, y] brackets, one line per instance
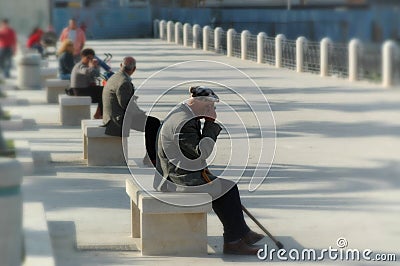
[334, 174]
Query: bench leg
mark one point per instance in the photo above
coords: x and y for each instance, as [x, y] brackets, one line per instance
[84, 146]
[135, 220]
[174, 234]
[53, 92]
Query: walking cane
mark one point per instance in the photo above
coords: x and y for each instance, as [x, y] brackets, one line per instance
[277, 243]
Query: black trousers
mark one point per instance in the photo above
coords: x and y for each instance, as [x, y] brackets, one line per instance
[149, 125]
[95, 92]
[229, 210]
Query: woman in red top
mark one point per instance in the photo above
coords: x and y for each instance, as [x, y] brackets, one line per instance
[34, 38]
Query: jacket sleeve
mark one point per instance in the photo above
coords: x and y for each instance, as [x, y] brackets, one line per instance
[124, 95]
[89, 71]
[195, 145]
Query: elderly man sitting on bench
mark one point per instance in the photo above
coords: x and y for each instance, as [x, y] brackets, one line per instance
[117, 94]
[182, 149]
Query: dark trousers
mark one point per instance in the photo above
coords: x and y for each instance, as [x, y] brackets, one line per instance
[6, 60]
[150, 126]
[229, 210]
[95, 92]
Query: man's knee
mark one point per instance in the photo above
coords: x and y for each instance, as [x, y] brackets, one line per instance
[152, 123]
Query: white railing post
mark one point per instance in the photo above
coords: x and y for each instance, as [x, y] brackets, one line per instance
[11, 233]
[324, 47]
[196, 35]
[156, 27]
[217, 39]
[170, 25]
[260, 46]
[206, 39]
[178, 27]
[162, 26]
[301, 43]
[278, 50]
[244, 38]
[186, 34]
[229, 42]
[388, 53]
[354, 51]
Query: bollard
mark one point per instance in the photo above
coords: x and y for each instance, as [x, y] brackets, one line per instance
[278, 50]
[170, 25]
[324, 46]
[389, 49]
[29, 76]
[11, 236]
[217, 39]
[354, 51]
[301, 42]
[244, 37]
[196, 36]
[206, 39]
[229, 42]
[178, 27]
[156, 32]
[186, 27]
[260, 47]
[162, 26]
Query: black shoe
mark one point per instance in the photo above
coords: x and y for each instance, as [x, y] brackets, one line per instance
[252, 237]
[239, 248]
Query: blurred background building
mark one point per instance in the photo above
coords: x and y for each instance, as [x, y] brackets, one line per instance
[341, 20]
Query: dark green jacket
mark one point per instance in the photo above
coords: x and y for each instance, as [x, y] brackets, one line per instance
[183, 147]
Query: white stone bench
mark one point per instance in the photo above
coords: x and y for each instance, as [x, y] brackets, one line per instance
[84, 124]
[48, 73]
[169, 229]
[55, 87]
[73, 109]
[102, 149]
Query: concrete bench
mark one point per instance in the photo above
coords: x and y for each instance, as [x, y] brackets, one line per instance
[73, 109]
[84, 124]
[102, 149]
[169, 229]
[55, 87]
[48, 73]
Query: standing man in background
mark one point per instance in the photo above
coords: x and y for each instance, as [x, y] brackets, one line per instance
[77, 35]
[8, 47]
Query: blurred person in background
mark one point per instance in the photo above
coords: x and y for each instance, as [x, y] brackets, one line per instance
[8, 46]
[49, 40]
[83, 80]
[34, 40]
[65, 59]
[76, 35]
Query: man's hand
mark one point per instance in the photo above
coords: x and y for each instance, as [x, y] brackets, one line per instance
[93, 63]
